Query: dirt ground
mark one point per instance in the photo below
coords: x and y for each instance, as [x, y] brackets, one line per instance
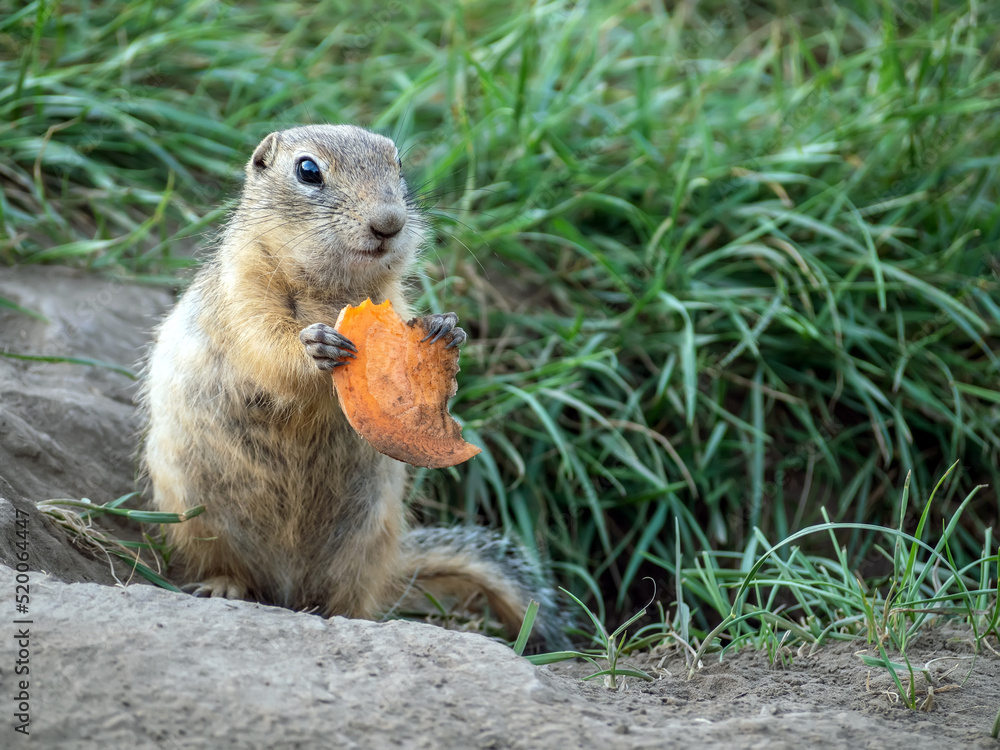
[116, 666]
[143, 667]
[828, 698]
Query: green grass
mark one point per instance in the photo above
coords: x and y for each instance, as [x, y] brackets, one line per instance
[76, 519]
[825, 598]
[728, 273]
[782, 600]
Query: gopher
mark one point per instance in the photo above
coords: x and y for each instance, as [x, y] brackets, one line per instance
[241, 415]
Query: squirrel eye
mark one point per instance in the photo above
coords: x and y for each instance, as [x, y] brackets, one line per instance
[307, 171]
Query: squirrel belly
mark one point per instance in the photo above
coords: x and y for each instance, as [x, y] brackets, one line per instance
[241, 415]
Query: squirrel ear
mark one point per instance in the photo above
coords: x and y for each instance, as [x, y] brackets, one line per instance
[263, 154]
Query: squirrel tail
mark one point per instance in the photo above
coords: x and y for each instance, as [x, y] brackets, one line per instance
[463, 564]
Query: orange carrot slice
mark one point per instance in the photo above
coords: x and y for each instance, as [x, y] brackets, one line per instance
[395, 393]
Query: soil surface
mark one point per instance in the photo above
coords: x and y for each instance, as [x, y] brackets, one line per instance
[123, 666]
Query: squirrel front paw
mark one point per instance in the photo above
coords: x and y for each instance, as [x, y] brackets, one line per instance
[327, 346]
[441, 326]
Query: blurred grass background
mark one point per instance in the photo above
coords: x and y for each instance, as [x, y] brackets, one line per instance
[725, 264]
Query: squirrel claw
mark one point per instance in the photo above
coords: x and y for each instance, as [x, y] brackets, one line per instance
[440, 325]
[458, 337]
[217, 587]
[327, 346]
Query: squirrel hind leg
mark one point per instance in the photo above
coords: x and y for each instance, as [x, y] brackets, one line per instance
[209, 565]
[470, 566]
[225, 587]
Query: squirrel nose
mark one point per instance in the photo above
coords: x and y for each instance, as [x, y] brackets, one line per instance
[386, 222]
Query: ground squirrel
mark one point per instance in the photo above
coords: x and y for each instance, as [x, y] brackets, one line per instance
[241, 414]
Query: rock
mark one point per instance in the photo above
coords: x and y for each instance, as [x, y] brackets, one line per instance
[114, 667]
[69, 430]
[23, 529]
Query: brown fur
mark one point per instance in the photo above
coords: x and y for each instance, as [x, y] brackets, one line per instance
[301, 512]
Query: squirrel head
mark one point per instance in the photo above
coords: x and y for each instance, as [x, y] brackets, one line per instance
[330, 202]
